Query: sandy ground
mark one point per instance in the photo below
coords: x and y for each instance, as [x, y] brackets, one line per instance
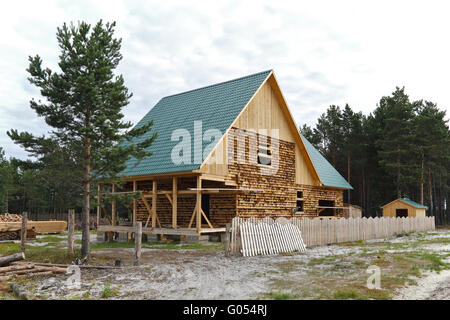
[431, 286]
[209, 274]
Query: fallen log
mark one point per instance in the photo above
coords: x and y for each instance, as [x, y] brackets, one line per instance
[16, 267]
[66, 265]
[5, 260]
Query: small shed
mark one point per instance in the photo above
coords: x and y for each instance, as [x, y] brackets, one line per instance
[404, 207]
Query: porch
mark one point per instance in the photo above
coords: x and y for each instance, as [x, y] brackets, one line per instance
[185, 204]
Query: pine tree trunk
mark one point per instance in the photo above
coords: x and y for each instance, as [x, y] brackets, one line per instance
[430, 194]
[348, 176]
[421, 181]
[399, 193]
[85, 250]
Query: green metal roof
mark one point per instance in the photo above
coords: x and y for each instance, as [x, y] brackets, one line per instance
[413, 203]
[217, 106]
[328, 175]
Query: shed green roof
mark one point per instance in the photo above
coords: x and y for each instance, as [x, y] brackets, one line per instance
[328, 175]
[413, 203]
[217, 106]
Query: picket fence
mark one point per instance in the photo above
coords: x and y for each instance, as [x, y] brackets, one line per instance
[323, 231]
[268, 237]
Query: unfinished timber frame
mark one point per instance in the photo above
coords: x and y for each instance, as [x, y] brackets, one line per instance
[260, 166]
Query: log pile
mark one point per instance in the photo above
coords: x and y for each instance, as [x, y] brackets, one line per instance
[10, 269]
[12, 232]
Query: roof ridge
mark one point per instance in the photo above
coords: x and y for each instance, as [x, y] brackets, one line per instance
[215, 84]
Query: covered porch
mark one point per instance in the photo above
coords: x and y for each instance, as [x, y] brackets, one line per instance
[181, 204]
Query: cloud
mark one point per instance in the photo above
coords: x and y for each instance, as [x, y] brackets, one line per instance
[323, 52]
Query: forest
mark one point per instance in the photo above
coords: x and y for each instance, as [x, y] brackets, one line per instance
[401, 149]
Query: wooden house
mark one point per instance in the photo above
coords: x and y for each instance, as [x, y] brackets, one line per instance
[404, 207]
[225, 150]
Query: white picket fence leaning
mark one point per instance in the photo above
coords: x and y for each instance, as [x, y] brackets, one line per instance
[262, 236]
[266, 236]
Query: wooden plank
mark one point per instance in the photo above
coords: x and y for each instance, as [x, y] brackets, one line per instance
[154, 199]
[70, 231]
[134, 203]
[23, 232]
[138, 243]
[199, 205]
[207, 220]
[174, 202]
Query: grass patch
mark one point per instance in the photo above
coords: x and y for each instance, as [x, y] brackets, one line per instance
[40, 254]
[279, 296]
[345, 294]
[108, 292]
[50, 239]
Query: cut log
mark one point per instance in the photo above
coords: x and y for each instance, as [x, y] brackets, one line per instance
[16, 268]
[5, 260]
[66, 265]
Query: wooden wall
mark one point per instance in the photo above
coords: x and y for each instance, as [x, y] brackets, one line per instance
[266, 111]
[390, 209]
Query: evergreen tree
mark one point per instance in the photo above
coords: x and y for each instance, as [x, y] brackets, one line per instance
[396, 142]
[83, 103]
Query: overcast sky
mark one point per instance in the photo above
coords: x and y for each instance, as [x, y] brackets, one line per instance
[322, 52]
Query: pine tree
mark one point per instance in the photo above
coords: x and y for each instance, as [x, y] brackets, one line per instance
[83, 103]
[396, 143]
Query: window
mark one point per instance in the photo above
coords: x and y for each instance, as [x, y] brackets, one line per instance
[264, 154]
[299, 203]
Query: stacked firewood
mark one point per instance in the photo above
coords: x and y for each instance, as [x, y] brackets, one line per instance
[10, 217]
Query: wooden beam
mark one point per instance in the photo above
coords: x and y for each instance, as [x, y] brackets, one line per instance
[192, 217]
[174, 202]
[162, 176]
[106, 215]
[199, 205]
[113, 207]
[134, 203]
[154, 199]
[169, 198]
[204, 216]
[149, 210]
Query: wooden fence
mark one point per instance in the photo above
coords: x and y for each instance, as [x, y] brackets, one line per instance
[322, 231]
[270, 237]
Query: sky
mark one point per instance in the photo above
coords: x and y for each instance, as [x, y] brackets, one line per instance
[322, 52]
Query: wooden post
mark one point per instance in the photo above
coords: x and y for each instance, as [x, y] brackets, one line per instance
[23, 232]
[174, 201]
[154, 197]
[113, 207]
[99, 199]
[137, 243]
[199, 206]
[70, 229]
[134, 203]
[227, 239]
